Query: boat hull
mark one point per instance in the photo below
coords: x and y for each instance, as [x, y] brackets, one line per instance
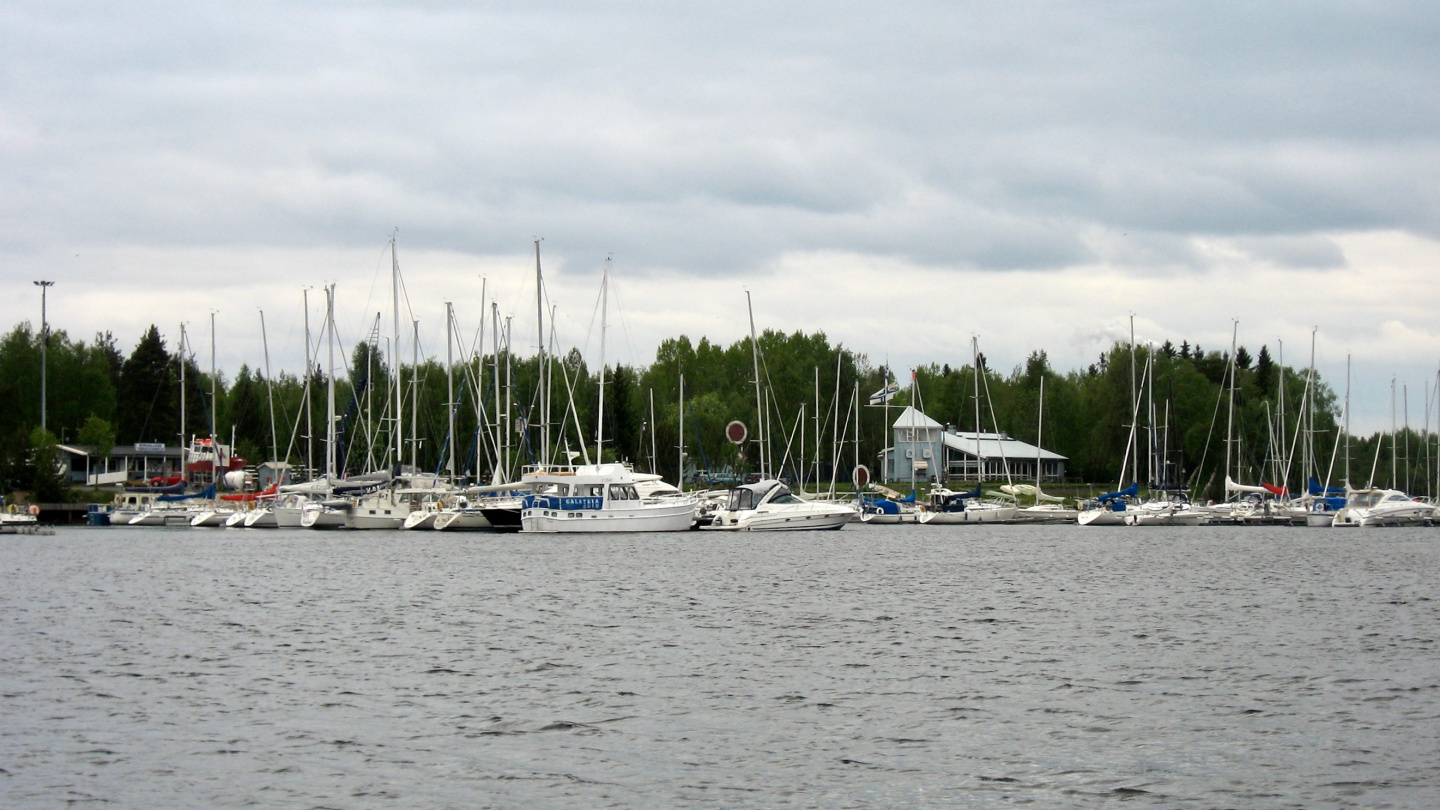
[677, 517]
[984, 514]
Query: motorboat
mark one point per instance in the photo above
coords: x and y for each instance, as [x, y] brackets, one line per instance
[769, 505]
[599, 498]
[1384, 507]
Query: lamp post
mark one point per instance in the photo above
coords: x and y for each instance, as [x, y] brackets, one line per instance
[44, 344]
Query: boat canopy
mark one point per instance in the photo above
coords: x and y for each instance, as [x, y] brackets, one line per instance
[1129, 492]
[1317, 490]
[247, 497]
[207, 493]
[1281, 492]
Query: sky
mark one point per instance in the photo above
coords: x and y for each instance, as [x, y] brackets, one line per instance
[900, 176]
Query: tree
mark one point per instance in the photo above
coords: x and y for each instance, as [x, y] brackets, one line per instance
[1264, 370]
[47, 479]
[147, 408]
[1242, 358]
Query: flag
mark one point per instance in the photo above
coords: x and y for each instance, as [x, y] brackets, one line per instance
[885, 394]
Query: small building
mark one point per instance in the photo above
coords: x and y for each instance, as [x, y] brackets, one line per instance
[929, 451]
[126, 462]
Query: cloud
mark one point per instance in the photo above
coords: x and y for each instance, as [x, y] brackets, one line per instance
[1070, 162]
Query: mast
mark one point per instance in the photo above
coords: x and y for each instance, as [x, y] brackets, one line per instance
[509, 387]
[330, 384]
[1039, 436]
[1230, 418]
[215, 402]
[1134, 397]
[540, 358]
[500, 471]
[415, 397]
[184, 440]
[1347, 421]
[450, 387]
[395, 355]
[600, 416]
[1394, 445]
[759, 408]
[680, 476]
[884, 401]
[309, 416]
[1308, 451]
[653, 459]
[975, 360]
[269, 391]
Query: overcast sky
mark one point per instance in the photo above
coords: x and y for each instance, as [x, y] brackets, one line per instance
[898, 175]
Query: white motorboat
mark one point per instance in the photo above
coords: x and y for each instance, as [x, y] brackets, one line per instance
[1384, 507]
[385, 508]
[599, 498]
[769, 505]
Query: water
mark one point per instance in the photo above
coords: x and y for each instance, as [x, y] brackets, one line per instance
[873, 667]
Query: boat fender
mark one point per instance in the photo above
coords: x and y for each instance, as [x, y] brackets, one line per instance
[34, 510]
[14, 509]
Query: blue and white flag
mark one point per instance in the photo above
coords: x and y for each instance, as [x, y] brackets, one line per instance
[885, 394]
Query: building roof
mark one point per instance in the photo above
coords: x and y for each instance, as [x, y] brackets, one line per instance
[993, 445]
[910, 417]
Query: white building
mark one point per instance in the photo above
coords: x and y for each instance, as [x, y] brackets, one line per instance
[936, 452]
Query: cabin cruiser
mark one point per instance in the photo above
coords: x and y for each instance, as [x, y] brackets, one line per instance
[769, 505]
[1384, 507]
[965, 507]
[599, 498]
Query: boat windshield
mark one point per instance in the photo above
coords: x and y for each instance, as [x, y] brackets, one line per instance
[785, 497]
[623, 492]
[1363, 500]
[741, 499]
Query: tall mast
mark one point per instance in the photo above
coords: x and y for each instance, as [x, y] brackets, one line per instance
[509, 388]
[680, 476]
[500, 471]
[1347, 420]
[184, 440]
[330, 384]
[540, 358]
[309, 415]
[1308, 449]
[653, 459]
[1134, 397]
[269, 391]
[1230, 417]
[1394, 445]
[975, 360]
[215, 401]
[600, 417]
[759, 406]
[450, 387]
[415, 396]
[395, 355]
[1039, 436]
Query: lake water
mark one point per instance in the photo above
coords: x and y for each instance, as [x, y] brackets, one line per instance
[1048, 666]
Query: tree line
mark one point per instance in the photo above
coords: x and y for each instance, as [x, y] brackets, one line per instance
[816, 396]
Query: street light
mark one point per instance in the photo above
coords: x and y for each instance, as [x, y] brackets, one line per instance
[44, 344]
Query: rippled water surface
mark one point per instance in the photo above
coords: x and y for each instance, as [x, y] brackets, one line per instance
[872, 667]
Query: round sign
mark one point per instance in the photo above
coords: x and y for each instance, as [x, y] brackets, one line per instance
[736, 432]
[861, 476]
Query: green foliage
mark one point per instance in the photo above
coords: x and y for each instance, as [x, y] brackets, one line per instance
[48, 482]
[98, 433]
